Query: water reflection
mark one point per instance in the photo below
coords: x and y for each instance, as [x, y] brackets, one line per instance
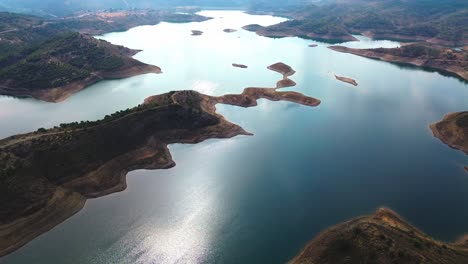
[259, 199]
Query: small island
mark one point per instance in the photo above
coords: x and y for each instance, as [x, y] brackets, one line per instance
[282, 68]
[313, 45]
[383, 237]
[47, 176]
[442, 59]
[242, 66]
[197, 32]
[51, 59]
[230, 30]
[346, 80]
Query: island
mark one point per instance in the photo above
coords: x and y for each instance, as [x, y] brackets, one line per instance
[438, 22]
[313, 45]
[51, 59]
[442, 59]
[237, 65]
[46, 176]
[286, 71]
[384, 237]
[452, 130]
[346, 80]
[197, 33]
[282, 68]
[230, 30]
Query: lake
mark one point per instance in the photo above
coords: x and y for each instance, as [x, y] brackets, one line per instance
[260, 199]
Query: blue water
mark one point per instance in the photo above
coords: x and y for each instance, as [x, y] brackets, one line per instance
[259, 199]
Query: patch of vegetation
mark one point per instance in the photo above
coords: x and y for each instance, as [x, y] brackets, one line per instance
[107, 118]
[412, 51]
[463, 121]
[56, 62]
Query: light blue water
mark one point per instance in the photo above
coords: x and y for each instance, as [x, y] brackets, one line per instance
[260, 199]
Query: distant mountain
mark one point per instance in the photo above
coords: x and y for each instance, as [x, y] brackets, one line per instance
[62, 7]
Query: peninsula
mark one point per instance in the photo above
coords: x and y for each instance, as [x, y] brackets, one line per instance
[422, 55]
[252, 27]
[453, 130]
[67, 64]
[383, 237]
[46, 176]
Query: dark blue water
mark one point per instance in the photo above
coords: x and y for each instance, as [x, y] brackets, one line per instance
[259, 199]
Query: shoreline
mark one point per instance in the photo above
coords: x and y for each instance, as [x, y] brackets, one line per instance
[420, 63]
[403, 38]
[88, 164]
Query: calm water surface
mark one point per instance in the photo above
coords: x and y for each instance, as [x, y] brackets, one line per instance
[260, 199]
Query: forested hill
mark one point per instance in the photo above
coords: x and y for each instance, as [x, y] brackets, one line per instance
[442, 22]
